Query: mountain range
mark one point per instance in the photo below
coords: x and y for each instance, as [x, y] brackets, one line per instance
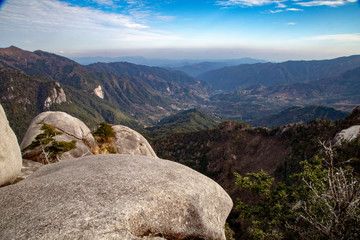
[117, 93]
[274, 74]
[197, 69]
[190, 120]
[140, 96]
[341, 92]
[176, 64]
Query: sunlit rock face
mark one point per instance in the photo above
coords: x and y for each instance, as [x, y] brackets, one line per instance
[115, 196]
[99, 92]
[71, 129]
[128, 141]
[57, 95]
[347, 135]
[10, 154]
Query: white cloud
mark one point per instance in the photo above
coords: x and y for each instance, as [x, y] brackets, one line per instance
[58, 25]
[291, 23]
[249, 3]
[286, 10]
[294, 9]
[337, 37]
[46, 14]
[331, 3]
[282, 3]
[276, 11]
[104, 2]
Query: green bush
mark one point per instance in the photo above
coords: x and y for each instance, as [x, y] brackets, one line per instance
[104, 132]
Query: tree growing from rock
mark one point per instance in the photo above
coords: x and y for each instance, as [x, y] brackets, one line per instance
[104, 136]
[51, 149]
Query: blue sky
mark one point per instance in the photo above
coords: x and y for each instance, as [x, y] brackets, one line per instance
[274, 30]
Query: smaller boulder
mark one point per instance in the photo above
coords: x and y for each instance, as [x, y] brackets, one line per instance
[68, 129]
[10, 154]
[128, 141]
[348, 134]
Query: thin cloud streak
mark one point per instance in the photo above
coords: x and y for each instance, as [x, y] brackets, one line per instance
[337, 37]
[283, 3]
[295, 9]
[250, 3]
[330, 3]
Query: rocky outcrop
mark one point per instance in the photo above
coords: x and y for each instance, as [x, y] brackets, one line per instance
[99, 92]
[114, 197]
[128, 141]
[71, 129]
[348, 135]
[10, 154]
[57, 95]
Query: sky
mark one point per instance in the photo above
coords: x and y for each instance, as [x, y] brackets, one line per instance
[274, 30]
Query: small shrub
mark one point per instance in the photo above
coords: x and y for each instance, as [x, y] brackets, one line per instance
[104, 136]
[104, 132]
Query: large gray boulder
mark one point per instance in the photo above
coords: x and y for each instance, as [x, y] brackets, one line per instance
[347, 135]
[128, 141]
[114, 197]
[71, 129]
[10, 154]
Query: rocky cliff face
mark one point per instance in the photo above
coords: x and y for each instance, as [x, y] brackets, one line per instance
[57, 95]
[99, 92]
[347, 135]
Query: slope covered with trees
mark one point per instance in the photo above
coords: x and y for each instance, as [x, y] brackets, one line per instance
[340, 92]
[117, 93]
[237, 147]
[274, 74]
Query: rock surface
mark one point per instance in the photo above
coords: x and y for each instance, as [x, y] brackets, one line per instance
[29, 167]
[57, 95]
[114, 197]
[128, 141]
[99, 92]
[10, 154]
[72, 129]
[348, 134]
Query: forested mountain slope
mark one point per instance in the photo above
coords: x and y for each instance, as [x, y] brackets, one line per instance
[273, 74]
[118, 93]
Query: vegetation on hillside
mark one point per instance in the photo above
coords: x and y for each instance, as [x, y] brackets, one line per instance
[323, 202]
[277, 74]
[298, 114]
[340, 91]
[186, 121]
[238, 147]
